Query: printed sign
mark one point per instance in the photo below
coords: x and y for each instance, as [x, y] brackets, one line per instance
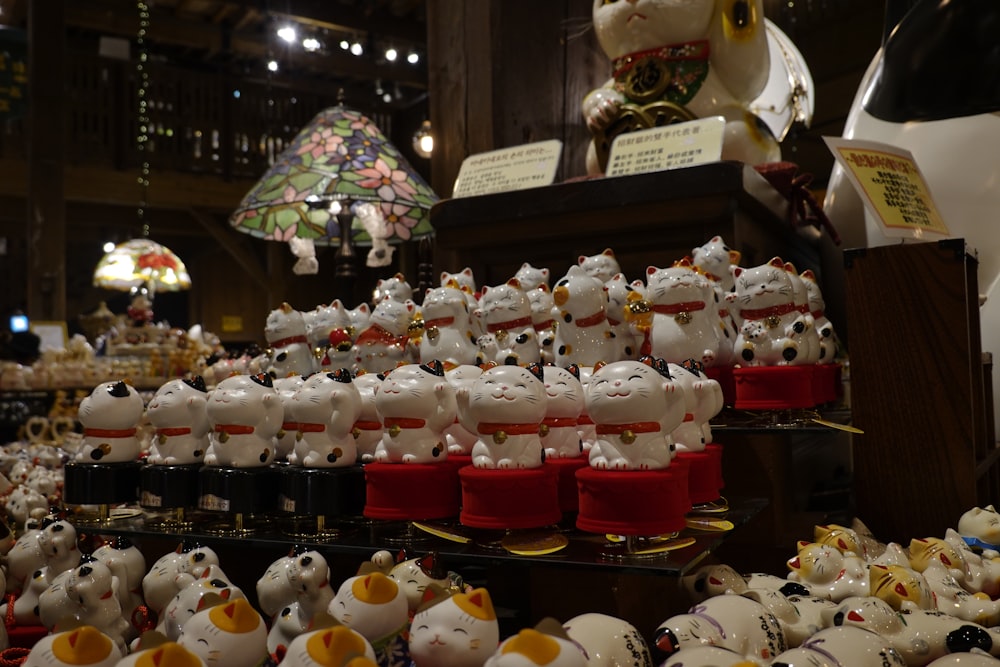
[668, 147]
[518, 168]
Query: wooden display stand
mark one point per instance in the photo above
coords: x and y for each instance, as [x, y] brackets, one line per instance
[918, 389]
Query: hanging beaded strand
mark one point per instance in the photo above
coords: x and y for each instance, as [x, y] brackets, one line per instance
[143, 124]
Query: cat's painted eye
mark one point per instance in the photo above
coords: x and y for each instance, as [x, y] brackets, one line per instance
[634, 377]
[608, 2]
[462, 630]
[422, 627]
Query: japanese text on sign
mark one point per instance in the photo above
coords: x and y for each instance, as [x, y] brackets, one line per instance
[667, 147]
[518, 168]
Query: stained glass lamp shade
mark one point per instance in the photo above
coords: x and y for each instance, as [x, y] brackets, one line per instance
[339, 155]
[141, 262]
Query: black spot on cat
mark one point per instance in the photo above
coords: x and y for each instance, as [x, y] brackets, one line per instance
[543, 455]
[198, 557]
[34, 610]
[629, 351]
[281, 356]
[580, 445]
[741, 13]
[547, 341]
[522, 339]
[799, 327]
[789, 353]
[97, 454]
[567, 317]
[436, 452]
[793, 588]
[747, 355]
[198, 453]
[966, 638]
[699, 585]
[838, 618]
[331, 457]
[511, 360]
[218, 583]
[263, 457]
[666, 642]
[85, 570]
[562, 349]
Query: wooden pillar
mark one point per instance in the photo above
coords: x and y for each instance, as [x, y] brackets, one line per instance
[46, 210]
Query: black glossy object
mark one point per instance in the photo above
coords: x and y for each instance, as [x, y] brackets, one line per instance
[169, 487]
[329, 492]
[101, 483]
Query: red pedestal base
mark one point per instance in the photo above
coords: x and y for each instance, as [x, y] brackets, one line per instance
[412, 491]
[510, 499]
[724, 376]
[704, 473]
[774, 387]
[569, 498]
[632, 502]
[827, 383]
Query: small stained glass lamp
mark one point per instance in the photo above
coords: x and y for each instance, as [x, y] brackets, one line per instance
[339, 163]
[142, 262]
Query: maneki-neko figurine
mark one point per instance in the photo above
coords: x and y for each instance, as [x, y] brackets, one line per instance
[105, 469]
[324, 478]
[632, 486]
[560, 433]
[692, 439]
[412, 478]
[507, 486]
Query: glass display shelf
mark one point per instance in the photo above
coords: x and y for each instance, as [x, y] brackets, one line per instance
[275, 534]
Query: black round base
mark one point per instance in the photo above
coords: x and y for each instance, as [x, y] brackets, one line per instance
[329, 492]
[237, 490]
[101, 483]
[169, 487]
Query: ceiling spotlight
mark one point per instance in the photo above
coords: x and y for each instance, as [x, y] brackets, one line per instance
[108, 246]
[272, 65]
[386, 97]
[423, 140]
[391, 54]
[413, 58]
[311, 44]
[287, 33]
[344, 44]
[357, 49]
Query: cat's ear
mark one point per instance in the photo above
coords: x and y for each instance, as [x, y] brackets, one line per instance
[443, 278]
[808, 275]
[736, 271]
[537, 370]
[467, 272]
[791, 268]
[777, 262]
[735, 256]
[738, 45]
[650, 270]
[581, 259]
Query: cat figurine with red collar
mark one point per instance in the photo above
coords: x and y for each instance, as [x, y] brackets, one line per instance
[583, 334]
[603, 266]
[701, 399]
[325, 409]
[110, 416]
[564, 403]
[448, 334]
[510, 336]
[817, 307]
[385, 342]
[765, 298]
[460, 439]
[684, 321]
[368, 428]
[285, 332]
[716, 260]
[505, 406]
[415, 404]
[308, 578]
[286, 388]
[543, 321]
[465, 281]
[178, 411]
[620, 294]
[635, 405]
[808, 339]
[394, 287]
[246, 415]
[532, 277]
[88, 594]
[173, 571]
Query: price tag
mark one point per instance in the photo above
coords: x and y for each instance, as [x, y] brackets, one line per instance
[668, 147]
[518, 168]
[150, 499]
[213, 503]
[891, 186]
[286, 504]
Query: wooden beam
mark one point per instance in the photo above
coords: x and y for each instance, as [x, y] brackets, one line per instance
[230, 241]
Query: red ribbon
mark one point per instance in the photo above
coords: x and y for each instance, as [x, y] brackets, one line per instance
[635, 427]
[773, 311]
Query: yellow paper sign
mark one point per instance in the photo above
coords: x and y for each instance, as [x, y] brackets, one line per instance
[892, 187]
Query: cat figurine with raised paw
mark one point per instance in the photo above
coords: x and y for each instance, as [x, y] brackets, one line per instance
[285, 332]
[246, 415]
[564, 403]
[603, 266]
[325, 409]
[178, 411]
[395, 287]
[684, 323]
[448, 334]
[817, 307]
[765, 299]
[583, 334]
[368, 429]
[385, 342]
[286, 388]
[510, 334]
[460, 439]
[415, 404]
[543, 321]
[110, 416]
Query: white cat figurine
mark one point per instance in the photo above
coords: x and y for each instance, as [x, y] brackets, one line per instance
[702, 403]
[603, 266]
[460, 439]
[458, 630]
[285, 332]
[85, 646]
[675, 62]
[505, 406]
[627, 339]
[550, 639]
[448, 335]
[375, 606]
[583, 335]
[229, 634]
[532, 277]
[325, 409]
[564, 403]
[716, 260]
[286, 388]
[178, 411]
[770, 319]
[635, 406]
[817, 307]
[385, 342]
[415, 404]
[173, 571]
[368, 429]
[506, 313]
[308, 577]
[185, 603]
[684, 323]
[395, 287]
[335, 645]
[246, 415]
[543, 321]
[110, 415]
[808, 340]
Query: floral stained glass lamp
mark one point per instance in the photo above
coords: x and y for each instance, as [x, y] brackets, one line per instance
[339, 160]
[141, 263]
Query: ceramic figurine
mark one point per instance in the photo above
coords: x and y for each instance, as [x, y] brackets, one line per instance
[608, 640]
[448, 335]
[178, 411]
[951, 598]
[128, 565]
[212, 581]
[716, 259]
[395, 287]
[635, 405]
[506, 313]
[373, 605]
[360, 316]
[532, 277]
[770, 320]
[285, 439]
[901, 587]
[229, 634]
[684, 318]
[919, 636]
[24, 557]
[165, 654]
[808, 339]
[285, 332]
[458, 630]
[730, 621]
[583, 335]
[273, 591]
[563, 405]
[847, 539]
[110, 415]
[87, 594]
[603, 266]
[543, 321]
[716, 656]
[23, 503]
[368, 429]
[980, 526]
[325, 409]
[56, 544]
[800, 616]
[827, 573]
[982, 570]
[817, 307]
[707, 58]
[173, 571]
[505, 406]
[246, 415]
[415, 404]
[324, 320]
[846, 645]
[702, 403]
[627, 339]
[335, 645]
[415, 575]
[85, 646]
[309, 578]
[460, 439]
[548, 638]
[465, 281]
[385, 342]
